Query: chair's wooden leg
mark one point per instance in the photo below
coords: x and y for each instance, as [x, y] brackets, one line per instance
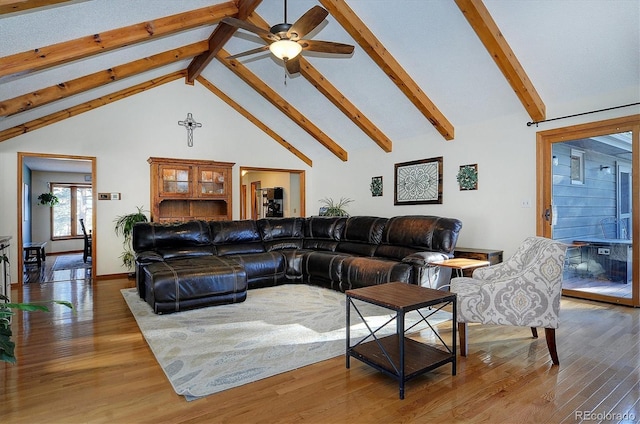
[462, 331]
[534, 332]
[550, 333]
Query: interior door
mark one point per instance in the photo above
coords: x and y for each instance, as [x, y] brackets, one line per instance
[585, 185]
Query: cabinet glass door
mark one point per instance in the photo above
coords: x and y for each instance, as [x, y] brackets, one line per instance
[175, 180]
[211, 182]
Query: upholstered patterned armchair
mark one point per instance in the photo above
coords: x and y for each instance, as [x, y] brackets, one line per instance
[523, 291]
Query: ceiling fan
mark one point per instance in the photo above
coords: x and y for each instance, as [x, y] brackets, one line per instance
[286, 40]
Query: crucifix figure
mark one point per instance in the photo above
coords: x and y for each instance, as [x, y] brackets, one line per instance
[190, 124]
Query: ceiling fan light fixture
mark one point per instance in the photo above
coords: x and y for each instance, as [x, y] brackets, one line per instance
[285, 49]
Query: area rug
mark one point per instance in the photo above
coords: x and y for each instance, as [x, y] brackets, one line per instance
[70, 262]
[277, 329]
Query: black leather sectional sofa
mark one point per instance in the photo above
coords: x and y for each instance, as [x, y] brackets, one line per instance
[198, 263]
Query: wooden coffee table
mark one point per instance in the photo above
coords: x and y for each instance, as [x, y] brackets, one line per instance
[397, 355]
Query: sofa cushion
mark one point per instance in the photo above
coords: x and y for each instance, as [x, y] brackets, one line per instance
[323, 232]
[420, 232]
[281, 233]
[263, 269]
[281, 228]
[323, 267]
[361, 235]
[154, 235]
[325, 227]
[365, 229]
[362, 272]
[183, 284]
[236, 237]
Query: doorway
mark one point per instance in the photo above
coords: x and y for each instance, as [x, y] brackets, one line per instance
[58, 229]
[261, 180]
[585, 185]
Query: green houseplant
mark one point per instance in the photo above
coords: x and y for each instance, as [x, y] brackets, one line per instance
[7, 346]
[48, 199]
[124, 226]
[333, 208]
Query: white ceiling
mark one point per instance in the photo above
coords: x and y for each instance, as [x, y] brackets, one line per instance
[569, 48]
[36, 163]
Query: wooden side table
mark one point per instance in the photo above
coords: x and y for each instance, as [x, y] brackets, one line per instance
[459, 265]
[491, 255]
[397, 355]
[34, 252]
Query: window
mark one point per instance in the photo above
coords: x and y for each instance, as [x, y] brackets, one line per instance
[75, 202]
[577, 166]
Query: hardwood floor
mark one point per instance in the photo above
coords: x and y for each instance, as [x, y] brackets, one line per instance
[94, 366]
[598, 286]
[46, 274]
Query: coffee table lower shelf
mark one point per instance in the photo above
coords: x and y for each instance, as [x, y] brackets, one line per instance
[418, 357]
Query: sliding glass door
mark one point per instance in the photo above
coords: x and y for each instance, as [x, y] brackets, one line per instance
[585, 197]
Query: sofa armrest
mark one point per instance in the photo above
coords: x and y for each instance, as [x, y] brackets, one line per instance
[423, 259]
[148, 256]
[424, 274]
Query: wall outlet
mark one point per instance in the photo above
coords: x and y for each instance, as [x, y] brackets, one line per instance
[525, 203]
[603, 251]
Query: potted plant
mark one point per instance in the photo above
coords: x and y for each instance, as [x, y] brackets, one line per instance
[124, 226]
[332, 208]
[48, 199]
[7, 346]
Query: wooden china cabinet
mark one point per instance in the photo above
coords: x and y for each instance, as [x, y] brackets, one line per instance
[182, 190]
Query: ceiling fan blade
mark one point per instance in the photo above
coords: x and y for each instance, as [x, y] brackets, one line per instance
[293, 65]
[326, 47]
[238, 23]
[307, 22]
[249, 52]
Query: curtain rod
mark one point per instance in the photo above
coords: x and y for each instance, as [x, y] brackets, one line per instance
[580, 114]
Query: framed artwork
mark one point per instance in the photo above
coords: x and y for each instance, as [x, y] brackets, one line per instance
[468, 177]
[376, 186]
[418, 182]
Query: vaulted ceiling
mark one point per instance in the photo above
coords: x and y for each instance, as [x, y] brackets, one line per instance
[418, 66]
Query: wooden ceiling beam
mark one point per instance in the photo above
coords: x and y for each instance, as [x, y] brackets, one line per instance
[344, 105]
[487, 30]
[10, 6]
[335, 96]
[67, 51]
[218, 39]
[79, 85]
[87, 106]
[281, 104]
[381, 56]
[248, 115]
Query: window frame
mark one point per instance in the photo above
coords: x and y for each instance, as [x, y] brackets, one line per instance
[74, 210]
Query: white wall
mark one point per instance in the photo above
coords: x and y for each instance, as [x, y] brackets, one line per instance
[124, 134]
